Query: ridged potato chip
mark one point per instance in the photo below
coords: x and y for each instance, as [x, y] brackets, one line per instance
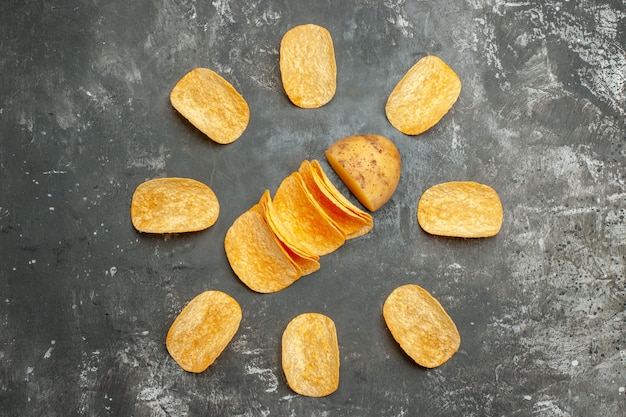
[343, 216]
[173, 205]
[307, 262]
[299, 220]
[421, 326]
[460, 209]
[257, 257]
[203, 329]
[211, 104]
[310, 355]
[342, 200]
[281, 239]
[307, 66]
[369, 165]
[423, 96]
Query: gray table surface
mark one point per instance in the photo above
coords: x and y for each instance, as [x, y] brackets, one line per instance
[86, 301]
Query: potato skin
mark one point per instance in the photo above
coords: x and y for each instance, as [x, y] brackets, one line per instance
[369, 165]
[464, 209]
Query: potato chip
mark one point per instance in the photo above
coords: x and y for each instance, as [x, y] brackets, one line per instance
[307, 262]
[369, 165]
[423, 96]
[317, 168]
[173, 205]
[299, 222]
[256, 256]
[203, 329]
[343, 217]
[421, 326]
[460, 209]
[211, 104]
[307, 66]
[310, 355]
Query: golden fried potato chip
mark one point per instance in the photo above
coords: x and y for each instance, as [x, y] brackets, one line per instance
[342, 216]
[300, 222]
[173, 205]
[310, 355]
[307, 262]
[317, 169]
[423, 96]
[211, 104]
[421, 326]
[460, 209]
[369, 165]
[203, 329]
[256, 256]
[307, 66]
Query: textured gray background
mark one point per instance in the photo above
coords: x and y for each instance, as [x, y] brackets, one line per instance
[85, 301]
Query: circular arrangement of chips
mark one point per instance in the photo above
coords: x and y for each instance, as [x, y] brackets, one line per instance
[281, 239]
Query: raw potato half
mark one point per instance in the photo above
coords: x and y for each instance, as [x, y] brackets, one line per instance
[310, 355]
[369, 165]
[173, 205]
[307, 66]
[203, 329]
[460, 209]
[421, 326]
[423, 96]
[211, 104]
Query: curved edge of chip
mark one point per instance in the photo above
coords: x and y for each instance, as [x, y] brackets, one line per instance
[421, 326]
[308, 84]
[172, 205]
[310, 355]
[211, 104]
[203, 329]
[479, 212]
[256, 256]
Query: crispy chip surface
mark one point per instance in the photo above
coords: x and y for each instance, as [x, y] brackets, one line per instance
[173, 205]
[460, 209]
[421, 326]
[211, 104]
[256, 256]
[317, 168]
[310, 355]
[342, 216]
[307, 66]
[300, 222]
[307, 263]
[203, 329]
[423, 96]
